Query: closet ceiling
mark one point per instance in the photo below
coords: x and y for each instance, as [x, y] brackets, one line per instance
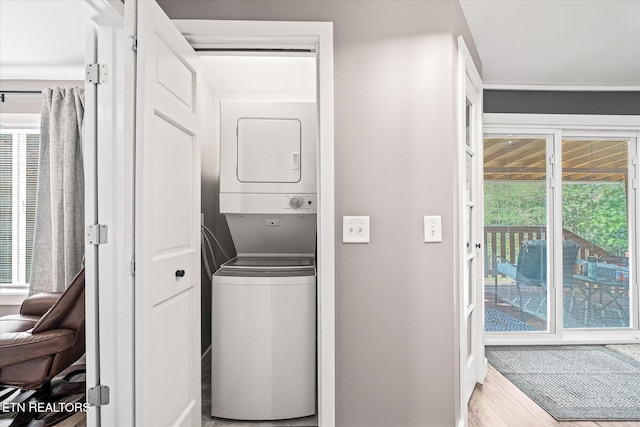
[42, 39]
[560, 42]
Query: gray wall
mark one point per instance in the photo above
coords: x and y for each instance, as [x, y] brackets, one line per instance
[395, 77]
[562, 102]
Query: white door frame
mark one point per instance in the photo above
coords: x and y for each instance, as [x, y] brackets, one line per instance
[115, 344]
[317, 35]
[106, 322]
[468, 83]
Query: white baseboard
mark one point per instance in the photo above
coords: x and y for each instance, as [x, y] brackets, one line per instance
[484, 369]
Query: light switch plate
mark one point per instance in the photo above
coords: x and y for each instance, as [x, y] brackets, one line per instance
[432, 229]
[355, 229]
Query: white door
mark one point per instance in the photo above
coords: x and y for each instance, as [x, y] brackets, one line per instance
[472, 206]
[470, 254]
[167, 223]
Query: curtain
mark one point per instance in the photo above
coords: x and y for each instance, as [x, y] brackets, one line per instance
[58, 242]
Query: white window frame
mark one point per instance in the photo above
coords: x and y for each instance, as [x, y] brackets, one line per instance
[15, 292]
[562, 125]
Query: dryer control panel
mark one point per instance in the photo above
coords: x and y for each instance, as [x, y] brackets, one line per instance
[238, 203]
[301, 202]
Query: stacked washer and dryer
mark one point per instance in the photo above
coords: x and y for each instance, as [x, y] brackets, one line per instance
[264, 300]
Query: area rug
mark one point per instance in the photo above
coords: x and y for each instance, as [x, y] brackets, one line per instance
[578, 383]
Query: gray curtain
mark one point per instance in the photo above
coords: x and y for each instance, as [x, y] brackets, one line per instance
[58, 242]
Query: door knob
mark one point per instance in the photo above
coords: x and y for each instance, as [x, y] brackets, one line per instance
[179, 273]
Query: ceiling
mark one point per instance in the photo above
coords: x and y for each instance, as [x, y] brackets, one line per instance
[521, 42]
[42, 39]
[557, 42]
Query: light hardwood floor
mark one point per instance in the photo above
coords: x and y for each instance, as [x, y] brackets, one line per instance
[499, 403]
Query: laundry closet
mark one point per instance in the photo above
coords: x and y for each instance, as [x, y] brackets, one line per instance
[259, 184]
[227, 124]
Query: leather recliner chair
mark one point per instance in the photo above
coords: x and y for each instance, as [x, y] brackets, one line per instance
[45, 338]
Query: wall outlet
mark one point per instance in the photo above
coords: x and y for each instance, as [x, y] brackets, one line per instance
[355, 229]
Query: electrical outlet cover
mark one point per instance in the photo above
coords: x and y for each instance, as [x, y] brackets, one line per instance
[355, 229]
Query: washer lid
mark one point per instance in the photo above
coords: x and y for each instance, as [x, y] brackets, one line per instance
[266, 274]
[271, 263]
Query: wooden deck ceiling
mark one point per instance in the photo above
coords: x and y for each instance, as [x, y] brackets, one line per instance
[524, 159]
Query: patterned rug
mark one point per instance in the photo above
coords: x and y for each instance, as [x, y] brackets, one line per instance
[573, 382]
[62, 406]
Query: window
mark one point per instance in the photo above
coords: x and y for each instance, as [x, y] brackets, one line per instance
[19, 151]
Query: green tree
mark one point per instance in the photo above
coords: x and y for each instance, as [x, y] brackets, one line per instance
[515, 203]
[597, 212]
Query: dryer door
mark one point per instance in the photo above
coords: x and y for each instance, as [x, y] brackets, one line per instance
[267, 147]
[269, 150]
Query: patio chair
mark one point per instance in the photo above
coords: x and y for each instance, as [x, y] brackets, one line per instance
[531, 268]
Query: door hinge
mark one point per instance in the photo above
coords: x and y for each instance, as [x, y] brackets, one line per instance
[98, 395]
[97, 73]
[97, 234]
[132, 266]
[134, 42]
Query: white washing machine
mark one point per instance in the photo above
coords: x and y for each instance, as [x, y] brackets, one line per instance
[263, 344]
[264, 301]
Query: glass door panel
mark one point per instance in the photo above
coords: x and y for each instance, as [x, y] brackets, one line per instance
[595, 218]
[515, 226]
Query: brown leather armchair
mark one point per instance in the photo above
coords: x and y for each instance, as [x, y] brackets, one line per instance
[45, 338]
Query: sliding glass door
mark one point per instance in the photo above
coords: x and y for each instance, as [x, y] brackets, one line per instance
[516, 191]
[595, 215]
[560, 231]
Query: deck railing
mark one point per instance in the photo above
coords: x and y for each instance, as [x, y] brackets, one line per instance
[505, 242]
